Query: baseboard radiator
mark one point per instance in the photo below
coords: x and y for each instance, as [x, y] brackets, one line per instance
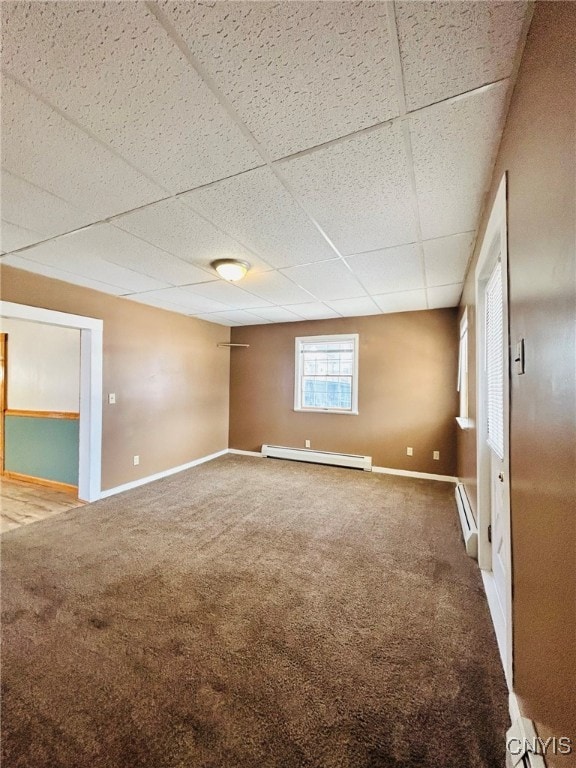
[318, 457]
[469, 528]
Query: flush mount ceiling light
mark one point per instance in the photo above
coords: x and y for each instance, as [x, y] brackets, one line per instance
[231, 269]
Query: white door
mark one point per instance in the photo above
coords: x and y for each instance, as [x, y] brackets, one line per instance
[495, 373]
[492, 430]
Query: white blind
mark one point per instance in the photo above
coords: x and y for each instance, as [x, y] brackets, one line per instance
[495, 361]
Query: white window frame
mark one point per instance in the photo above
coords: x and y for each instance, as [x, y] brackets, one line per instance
[340, 337]
[464, 422]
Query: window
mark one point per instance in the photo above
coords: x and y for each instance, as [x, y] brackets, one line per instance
[462, 419]
[327, 373]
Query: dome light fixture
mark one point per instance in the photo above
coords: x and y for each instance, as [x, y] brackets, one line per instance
[231, 269]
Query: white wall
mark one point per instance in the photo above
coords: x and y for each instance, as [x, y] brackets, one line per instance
[43, 366]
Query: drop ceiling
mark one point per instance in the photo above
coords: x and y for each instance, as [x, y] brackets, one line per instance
[342, 148]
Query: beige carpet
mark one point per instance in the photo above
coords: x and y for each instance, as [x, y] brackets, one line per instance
[251, 613]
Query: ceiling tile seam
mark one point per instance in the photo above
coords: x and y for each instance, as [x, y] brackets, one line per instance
[19, 251]
[402, 245]
[100, 258]
[476, 91]
[43, 189]
[13, 224]
[74, 274]
[163, 250]
[86, 131]
[507, 100]
[399, 72]
[171, 30]
[268, 305]
[396, 56]
[381, 125]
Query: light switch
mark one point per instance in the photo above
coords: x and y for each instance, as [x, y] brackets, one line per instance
[112, 398]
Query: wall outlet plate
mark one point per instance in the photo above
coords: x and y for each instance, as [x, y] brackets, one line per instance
[112, 398]
[409, 451]
[436, 455]
[136, 460]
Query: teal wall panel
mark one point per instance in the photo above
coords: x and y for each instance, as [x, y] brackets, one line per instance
[42, 447]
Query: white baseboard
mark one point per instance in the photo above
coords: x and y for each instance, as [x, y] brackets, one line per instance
[498, 620]
[409, 473]
[381, 470]
[160, 475]
[513, 707]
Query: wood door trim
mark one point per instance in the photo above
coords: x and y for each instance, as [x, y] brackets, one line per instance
[42, 414]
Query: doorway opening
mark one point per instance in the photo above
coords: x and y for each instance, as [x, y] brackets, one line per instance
[90, 421]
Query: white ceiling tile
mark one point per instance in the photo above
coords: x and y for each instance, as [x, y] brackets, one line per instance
[298, 73]
[257, 210]
[448, 48]
[216, 318]
[188, 302]
[176, 228]
[313, 310]
[444, 296]
[235, 317]
[446, 258]
[403, 301]
[229, 294]
[113, 69]
[155, 301]
[118, 247]
[358, 190]
[19, 262]
[45, 149]
[78, 255]
[454, 145]
[13, 237]
[36, 210]
[277, 315]
[354, 307]
[391, 269]
[274, 287]
[327, 280]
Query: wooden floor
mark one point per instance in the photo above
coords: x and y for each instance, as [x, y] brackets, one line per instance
[24, 503]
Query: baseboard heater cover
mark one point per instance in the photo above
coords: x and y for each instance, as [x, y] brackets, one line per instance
[318, 457]
[469, 528]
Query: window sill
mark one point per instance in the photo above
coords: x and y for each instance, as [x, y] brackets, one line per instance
[465, 423]
[325, 410]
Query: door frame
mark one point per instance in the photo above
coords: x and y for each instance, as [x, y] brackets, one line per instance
[495, 236]
[90, 427]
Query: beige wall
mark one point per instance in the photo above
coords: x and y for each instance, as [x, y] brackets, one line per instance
[407, 390]
[170, 379]
[538, 151]
[43, 370]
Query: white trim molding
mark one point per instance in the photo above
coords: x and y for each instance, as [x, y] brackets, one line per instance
[159, 475]
[410, 473]
[91, 336]
[300, 342]
[494, 247]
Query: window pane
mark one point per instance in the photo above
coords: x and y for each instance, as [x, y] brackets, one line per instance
[323, 392]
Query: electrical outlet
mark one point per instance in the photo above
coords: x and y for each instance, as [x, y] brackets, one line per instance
[136, 460]
[307, 444]
[436, 455]
[112, 398]
[409, 451]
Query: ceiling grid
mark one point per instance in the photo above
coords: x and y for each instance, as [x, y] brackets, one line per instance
[343, 149]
